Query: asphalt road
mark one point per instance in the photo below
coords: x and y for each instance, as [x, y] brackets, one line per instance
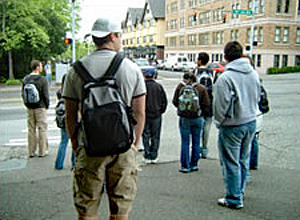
[36, 191]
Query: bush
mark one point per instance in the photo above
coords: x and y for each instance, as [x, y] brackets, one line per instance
[287, 69]
[13, 82]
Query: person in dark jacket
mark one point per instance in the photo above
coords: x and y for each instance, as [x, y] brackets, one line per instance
[191, 127]
[37, 112]
[156, 104]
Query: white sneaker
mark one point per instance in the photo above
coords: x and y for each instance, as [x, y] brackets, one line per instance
[154, 161]
[224, 203]
[147, 161]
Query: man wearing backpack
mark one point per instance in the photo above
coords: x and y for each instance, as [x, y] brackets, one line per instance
[205, 77]
[192, 103]
[60, 116]
[236, 94]
[35, 95]
[118, 170]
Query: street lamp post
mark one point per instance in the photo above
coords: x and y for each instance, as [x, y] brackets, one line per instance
[252, 28]
[73, 32]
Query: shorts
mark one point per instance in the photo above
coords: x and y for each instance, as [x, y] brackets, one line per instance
[120, 174]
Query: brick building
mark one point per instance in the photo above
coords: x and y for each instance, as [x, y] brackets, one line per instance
[207, 25]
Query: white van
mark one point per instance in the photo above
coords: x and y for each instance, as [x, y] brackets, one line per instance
[180, 63]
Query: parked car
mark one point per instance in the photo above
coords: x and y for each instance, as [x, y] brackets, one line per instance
[180, 63]
[145, 66]
[218, 69]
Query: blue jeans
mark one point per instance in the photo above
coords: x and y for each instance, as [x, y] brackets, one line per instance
[49, 79]
[151, 137]
[234, 148]
[59, 163]
[254, 152]
[190, 127]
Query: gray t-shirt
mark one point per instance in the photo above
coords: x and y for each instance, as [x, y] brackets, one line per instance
[129, 77]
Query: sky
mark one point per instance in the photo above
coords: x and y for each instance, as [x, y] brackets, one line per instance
[112, 9]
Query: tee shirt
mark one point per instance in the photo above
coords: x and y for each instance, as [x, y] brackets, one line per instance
[129, 77]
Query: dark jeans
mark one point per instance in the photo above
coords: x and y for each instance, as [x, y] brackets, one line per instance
[151, 137]
[254, 152]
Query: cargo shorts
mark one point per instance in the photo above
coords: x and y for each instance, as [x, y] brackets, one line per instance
[120, 174]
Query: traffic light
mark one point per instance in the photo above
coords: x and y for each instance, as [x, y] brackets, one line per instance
[195, 16]
[224, 18]
[68, 41]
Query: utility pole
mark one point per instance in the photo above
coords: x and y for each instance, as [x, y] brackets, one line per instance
[73, 32]
[252, 28]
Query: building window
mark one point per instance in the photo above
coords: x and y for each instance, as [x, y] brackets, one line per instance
[203, 39]
[262, 6]
[152, 23]
[283, 6]
[138, 40]
[182, 4]
[151, 39]
[174, 7]
[261, 34]
[190, 21]
[276, 60]
[255, 34]
[181, 41]
[248, 35]
[284, 60]
[258, 60]
[298, 35]
[145, 24]
[192, 40]
[297, 60]
[232, 35]
[286, 34]
[279, 5]
[173, 24]
[181, 22]
[298, 7]
[173, 42]
[287, 6]
[277, 34]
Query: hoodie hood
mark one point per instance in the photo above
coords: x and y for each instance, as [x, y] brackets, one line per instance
[241, 65]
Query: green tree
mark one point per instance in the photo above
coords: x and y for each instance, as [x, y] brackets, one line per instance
[34, 29]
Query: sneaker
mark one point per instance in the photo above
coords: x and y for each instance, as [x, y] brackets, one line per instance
[194, 168]
[184, 170]
[32, 155]
[147, 161]
[45, 154]
[154, 161]
[224, 203]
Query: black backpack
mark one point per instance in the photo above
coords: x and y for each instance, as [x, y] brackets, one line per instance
[263, 103]
[107, 121]
[60, 113]
[206, 79]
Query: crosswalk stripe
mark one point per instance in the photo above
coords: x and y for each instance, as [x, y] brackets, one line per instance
[23, 141]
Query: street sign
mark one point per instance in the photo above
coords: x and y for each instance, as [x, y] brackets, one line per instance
[242, 12]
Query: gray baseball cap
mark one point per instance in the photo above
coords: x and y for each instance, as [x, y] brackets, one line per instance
[103, 27]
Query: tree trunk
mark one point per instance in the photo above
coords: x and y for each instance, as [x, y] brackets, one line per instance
[10, 65]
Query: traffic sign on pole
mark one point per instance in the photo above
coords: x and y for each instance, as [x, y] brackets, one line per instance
[242, 12]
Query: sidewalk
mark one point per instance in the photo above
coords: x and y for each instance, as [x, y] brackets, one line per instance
[40, 192]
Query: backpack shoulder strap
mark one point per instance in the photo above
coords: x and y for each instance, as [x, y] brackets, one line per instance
[114, 65]
[82, 71]
[110, 72]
